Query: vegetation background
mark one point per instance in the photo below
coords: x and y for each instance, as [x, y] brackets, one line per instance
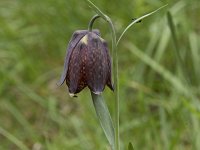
[159, 99]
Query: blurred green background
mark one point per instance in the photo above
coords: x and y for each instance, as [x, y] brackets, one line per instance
[159, 98]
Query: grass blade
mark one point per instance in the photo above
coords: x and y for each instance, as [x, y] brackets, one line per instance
[158, 68]
[130, 146]
[13, 139]
[138, 19]
[19, 117]
[195, 55]
[180, 61]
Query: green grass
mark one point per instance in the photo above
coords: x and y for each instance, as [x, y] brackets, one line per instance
[159, 102]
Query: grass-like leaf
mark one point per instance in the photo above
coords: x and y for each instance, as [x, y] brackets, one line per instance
[130, 146]
[104, 118]
[158, 68]
[180, 62]
[171, 78]
[195, 56]
[13, 139]
[137, 20]
[195, 100]
[19, 117]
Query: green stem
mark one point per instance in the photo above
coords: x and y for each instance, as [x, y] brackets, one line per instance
[115, 71]
[92, 22]
[116, 83]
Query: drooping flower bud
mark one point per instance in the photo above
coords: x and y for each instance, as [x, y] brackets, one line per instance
[87, 63]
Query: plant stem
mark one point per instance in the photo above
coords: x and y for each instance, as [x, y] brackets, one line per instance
[92, 22]
[115, 71]
[116, 83]
[115, 59]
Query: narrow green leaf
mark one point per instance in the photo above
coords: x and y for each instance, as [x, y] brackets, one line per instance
[171, 78]
[158, 68]
[180, 61]
[19, 117]
[138, 19]
[130, 146]
[195, 55]
[172, 28]
[104, 118]
[13, 139]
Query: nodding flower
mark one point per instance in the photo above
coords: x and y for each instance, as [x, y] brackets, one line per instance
[87, 63]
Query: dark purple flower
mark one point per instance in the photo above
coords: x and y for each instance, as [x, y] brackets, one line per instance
[87, 63]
